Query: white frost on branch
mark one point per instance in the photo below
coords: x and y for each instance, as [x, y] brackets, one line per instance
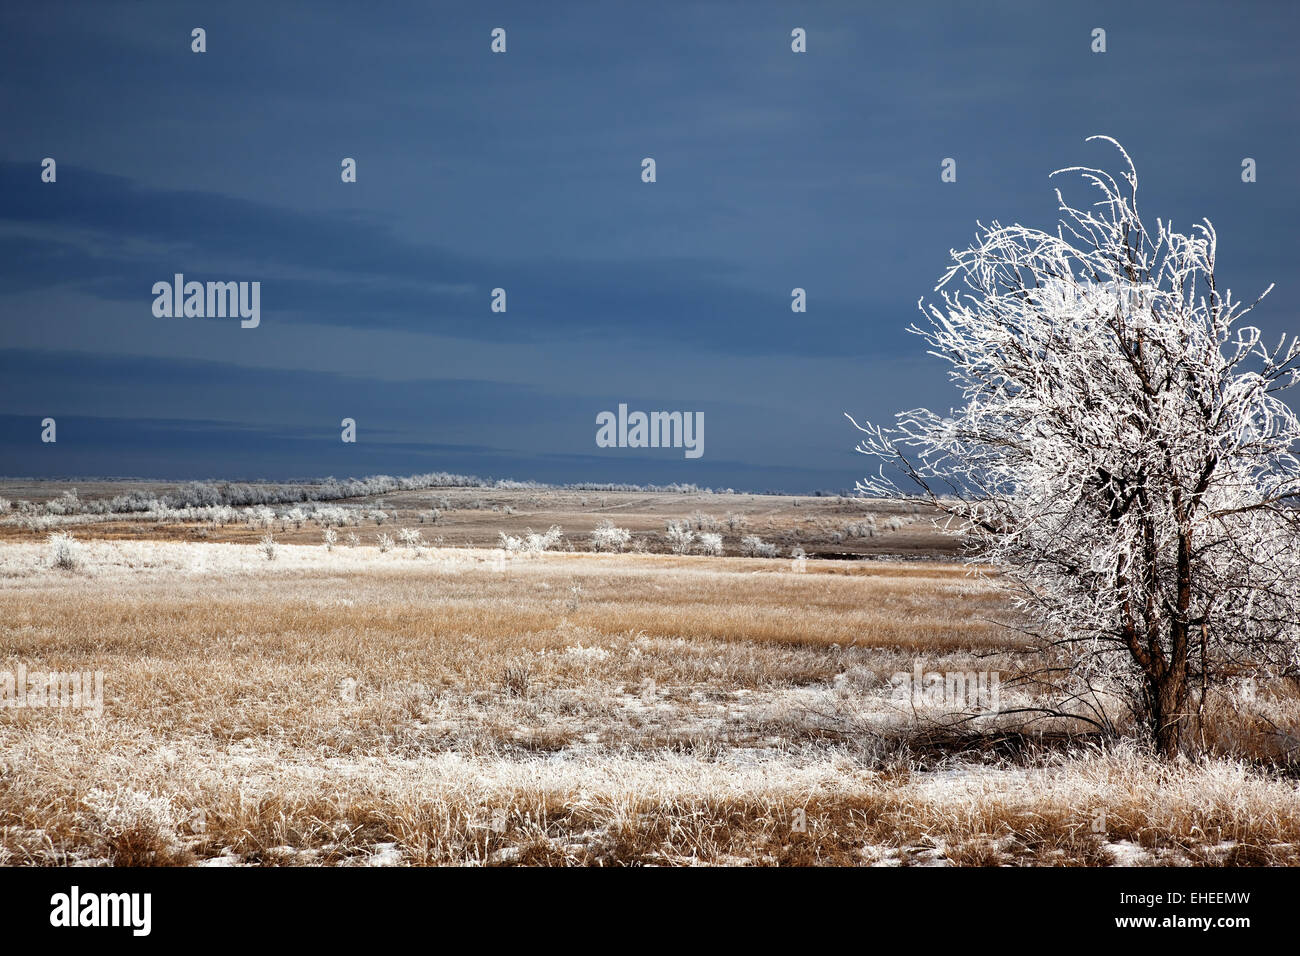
[1123, 451]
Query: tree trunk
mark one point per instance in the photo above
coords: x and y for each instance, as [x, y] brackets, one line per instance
[1168, 717]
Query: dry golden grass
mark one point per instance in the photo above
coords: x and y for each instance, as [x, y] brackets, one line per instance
[568, 709]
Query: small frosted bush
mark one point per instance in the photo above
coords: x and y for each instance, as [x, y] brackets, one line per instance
[66, 504]
[261, 516]
[64, 551]
[753, 546]
[702, 522]
[331, 516]
[680, 537]
[532, 542]
[385, 543]
[861, 529]
[607, 537]
[710, 543]
[543, 542]
[268, 547]
[331, 538]
[411, 538]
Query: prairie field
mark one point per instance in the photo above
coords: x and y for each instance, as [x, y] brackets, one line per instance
[271, 698]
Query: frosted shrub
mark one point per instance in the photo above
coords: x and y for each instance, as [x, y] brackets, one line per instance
[710, 543]
[385, 543]
[353, 540]
[861, 529]
[4, 504]
[411, 538]
[378, 516]
[64, 551]
[331, 538]
[607, 537]
[702, 522]
[434, 515]
[753, 546]
[734, 521]
[66, 504]
[268, 547]
[297, 516]
[331, 516]
[532, 542]
[680, 537]
[543, 542]
[261, 516]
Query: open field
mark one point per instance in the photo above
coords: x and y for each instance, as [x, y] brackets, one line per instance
[474, 517]
[294, 704]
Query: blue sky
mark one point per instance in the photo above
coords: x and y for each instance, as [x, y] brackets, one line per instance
[522, 171]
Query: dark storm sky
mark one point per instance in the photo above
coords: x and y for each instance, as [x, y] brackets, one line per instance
[522, 170]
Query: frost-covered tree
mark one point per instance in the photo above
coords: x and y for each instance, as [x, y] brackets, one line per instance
[1124, 454]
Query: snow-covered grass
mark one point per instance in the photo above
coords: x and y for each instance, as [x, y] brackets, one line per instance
[566, 707]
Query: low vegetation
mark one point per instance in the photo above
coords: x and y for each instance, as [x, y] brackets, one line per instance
[403, 701]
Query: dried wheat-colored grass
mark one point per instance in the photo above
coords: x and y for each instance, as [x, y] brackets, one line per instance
[419, 706]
